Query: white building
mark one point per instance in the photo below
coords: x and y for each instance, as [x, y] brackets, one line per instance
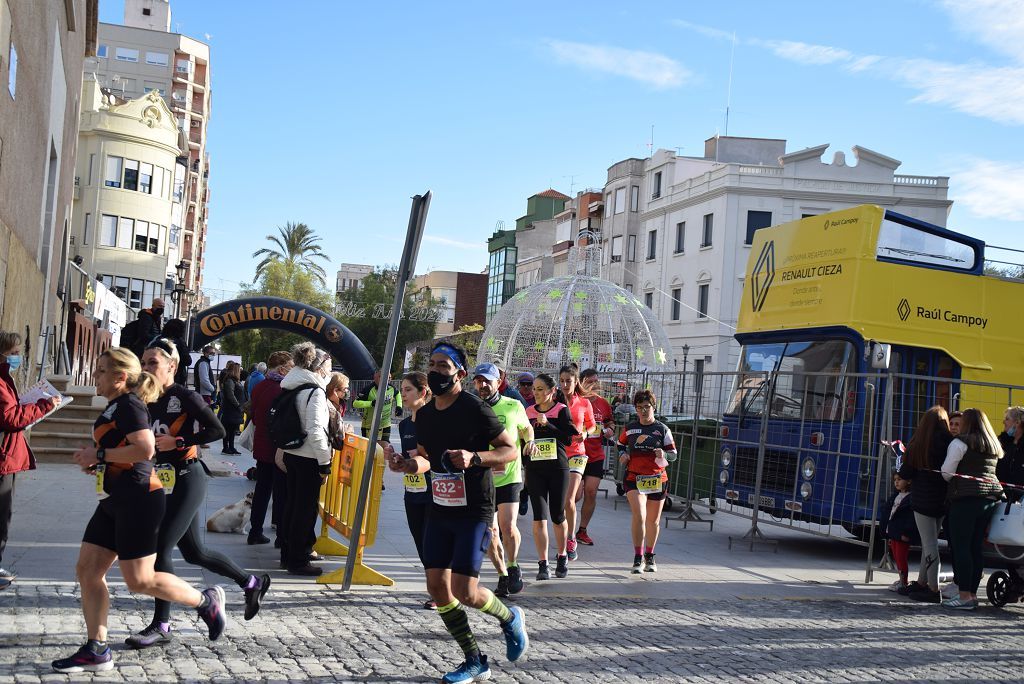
[350, 276]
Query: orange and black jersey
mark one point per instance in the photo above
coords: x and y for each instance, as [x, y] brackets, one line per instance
[123, 416]
[640, 442]
[180, 412]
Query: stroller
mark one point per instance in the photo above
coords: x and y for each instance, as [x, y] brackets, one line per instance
[1005, 585]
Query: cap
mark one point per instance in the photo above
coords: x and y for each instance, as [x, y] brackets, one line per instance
[487, 370]
[525, 378]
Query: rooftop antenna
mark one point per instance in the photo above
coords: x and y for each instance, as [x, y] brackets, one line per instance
[572, 182]
[728, 95]
[650, 145]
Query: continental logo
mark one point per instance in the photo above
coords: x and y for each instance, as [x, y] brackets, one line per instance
[967, 320]
[215, 324]
[763, 276]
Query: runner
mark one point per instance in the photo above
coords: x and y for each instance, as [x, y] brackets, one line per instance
[582, 415]
[415, 395]
[645, 448]
[547, 473]
[590, 387]
[508, 480]
[126, 522]
[182, 421]
[454, 433]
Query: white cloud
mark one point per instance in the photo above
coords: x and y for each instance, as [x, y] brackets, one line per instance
[805, 53]
[990, 189]
[707, 31]
[998, 24]
[647, 67]
[449, 242]
[995, 93]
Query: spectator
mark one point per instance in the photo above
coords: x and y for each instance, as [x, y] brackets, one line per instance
[897, 525]
[271, 481]
[973, 454]
[1011, 466]
[258, 374]
[231, 400]
[243, 382]
[954, 422]
[174, 330]
[15, 454]
[203, 372]
[149, 326]
[337, 390]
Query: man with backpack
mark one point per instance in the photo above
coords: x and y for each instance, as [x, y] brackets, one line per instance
[203, 374]
[140, 332]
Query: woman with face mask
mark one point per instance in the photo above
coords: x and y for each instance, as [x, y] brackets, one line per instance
[15, 454]
[1011, 466]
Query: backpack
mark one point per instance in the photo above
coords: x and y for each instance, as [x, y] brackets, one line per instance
[130, 335]
[285, 424]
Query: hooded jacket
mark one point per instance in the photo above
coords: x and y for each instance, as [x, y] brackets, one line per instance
[313, 412]
[15, 454]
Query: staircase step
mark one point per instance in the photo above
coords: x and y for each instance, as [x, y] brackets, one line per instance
[54, 454]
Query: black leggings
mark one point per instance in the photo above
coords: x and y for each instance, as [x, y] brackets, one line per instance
[270, 482]
[416, 514]
[548, 488]
[230, 431]
[181, 528]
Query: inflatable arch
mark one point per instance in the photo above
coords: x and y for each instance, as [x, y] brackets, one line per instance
[294, 317]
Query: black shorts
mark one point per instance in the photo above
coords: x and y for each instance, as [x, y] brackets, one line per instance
[456, 543]
[549, 488]
[128, 523]
[508, 494]
[594, 469]
[630, 486]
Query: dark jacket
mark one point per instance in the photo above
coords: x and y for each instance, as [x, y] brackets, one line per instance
[231, 399]
[1010, 468]
[181, 375]
[15, 454]
[930, 487]
[148, 328]
[902, 523]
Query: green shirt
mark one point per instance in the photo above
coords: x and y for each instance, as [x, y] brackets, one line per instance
[513, 416]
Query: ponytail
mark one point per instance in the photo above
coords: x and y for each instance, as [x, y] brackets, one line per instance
[147, 388]
[143, 384]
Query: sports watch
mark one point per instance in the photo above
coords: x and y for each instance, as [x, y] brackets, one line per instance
[179, 443]
[476, 460]
[101, 455]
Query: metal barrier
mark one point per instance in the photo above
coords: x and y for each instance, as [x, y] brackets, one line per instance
[338, 502]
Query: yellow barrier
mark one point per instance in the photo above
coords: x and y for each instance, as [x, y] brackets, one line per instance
[339, 497]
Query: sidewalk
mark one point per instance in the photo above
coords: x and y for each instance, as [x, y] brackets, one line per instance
[709, 614]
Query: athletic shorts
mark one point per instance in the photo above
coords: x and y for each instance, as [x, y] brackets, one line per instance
[508, 494]
[458, 544]
[630, 486]
[549, 488]
[594, 469]
[128, 524]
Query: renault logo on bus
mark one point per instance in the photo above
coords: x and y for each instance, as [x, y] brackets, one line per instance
[763, 275]
[903, 310]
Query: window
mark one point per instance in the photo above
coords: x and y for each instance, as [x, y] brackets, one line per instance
[131, 174]
[629, 288]
[126, 55]
[698, 373]
[756, 220]
[677, 296]
[183, 66]
[620, 200]
[92, 165]
[608, 205]
[680, 236]
[101, 51]
[152, 85]
[150, 290]
[112, 179]
[616, 249]
[125, 232]
[634, 198]
[702, 300]
[156, 58]
[803, 216]
[121, 287]
[135, 294]
[141, 236]
[631, 251]
[146, 178]
[910, 244]
[86, 229]
[649, 300]
[656, 193]
[158, 182]
[108, 231]
[146, 11]
[12, 70]
[709, 226]
[157, 239]
[652, 244]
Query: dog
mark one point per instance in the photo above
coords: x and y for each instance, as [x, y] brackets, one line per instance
[232, 518]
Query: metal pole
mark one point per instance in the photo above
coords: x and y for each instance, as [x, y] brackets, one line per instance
[413, 236]
[879, 470]
[754, 535]
[688, 514]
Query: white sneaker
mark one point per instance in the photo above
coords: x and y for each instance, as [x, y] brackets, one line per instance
[950, 590]
[895, 586]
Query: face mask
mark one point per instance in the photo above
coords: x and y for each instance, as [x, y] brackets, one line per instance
[158, 312]
[440, 383]
[493, 399]
[14, 361]
[1011, 432]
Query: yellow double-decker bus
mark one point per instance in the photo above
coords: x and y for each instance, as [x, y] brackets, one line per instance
[843, 307]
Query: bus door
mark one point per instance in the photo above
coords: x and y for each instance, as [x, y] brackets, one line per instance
[913, 396]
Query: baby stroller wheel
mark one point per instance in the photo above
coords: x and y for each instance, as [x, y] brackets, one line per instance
[998, 588]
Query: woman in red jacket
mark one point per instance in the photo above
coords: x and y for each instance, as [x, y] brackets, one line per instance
[15, 455]
[270, 480]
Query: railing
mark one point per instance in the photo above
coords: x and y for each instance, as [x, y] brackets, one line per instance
[761, 170]
[930, 181]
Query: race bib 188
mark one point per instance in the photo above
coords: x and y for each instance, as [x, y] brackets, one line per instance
[547, 450]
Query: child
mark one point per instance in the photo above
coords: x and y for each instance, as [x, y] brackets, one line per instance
[898, 526]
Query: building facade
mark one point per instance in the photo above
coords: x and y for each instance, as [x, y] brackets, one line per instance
[462, 298]
[128, 201]
[141, 56]
[350, 277]
[501, 269]
[42, 48]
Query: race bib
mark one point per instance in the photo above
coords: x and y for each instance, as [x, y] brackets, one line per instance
[168, 476]
[577, 464]
[101, 471]
[648, 484]
[449, 489]
[415, 484]
[547, 450]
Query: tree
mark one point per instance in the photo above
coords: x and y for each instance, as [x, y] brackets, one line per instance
[378, 289]
[298, 245]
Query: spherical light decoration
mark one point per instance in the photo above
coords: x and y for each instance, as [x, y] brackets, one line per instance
[579, 318]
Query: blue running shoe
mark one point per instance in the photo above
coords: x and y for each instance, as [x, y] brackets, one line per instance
[213, 614]
[84, 660]
[517, 641]
[475, 670]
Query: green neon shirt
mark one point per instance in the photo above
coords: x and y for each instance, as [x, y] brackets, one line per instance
[513, 416]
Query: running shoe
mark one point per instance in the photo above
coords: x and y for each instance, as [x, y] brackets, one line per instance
[957, 603]
[561, 566]
[583, 538]
[257, 538]
[501, 591]
[84, 660]
[637, 562]
[515, 579]
[473, 670]
[254, 596]
[7, 574]
[543, 573]
[910, 588]
[950, 590]
[213, 613]
[570, 549]
[307, 570]
[4, 583]
[517, 641]
[151, 636]
[429, 605]
[649, 564]
[896, 586]
[926, 595]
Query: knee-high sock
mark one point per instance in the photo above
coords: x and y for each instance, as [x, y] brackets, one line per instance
[457, 623]
[495, 607]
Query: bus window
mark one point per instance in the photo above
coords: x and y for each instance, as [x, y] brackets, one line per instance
[912, 245]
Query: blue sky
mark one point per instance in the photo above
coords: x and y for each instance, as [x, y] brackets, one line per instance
[336, 113]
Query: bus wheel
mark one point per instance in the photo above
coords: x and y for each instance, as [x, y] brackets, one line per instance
[998, 588]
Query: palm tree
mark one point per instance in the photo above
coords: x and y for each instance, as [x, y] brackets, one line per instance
[298, 245]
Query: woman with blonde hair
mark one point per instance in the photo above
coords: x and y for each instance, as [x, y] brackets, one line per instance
[974, 492]
[127, 520]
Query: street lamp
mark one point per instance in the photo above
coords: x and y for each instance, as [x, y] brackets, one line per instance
[179, 286]
[682, 397]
